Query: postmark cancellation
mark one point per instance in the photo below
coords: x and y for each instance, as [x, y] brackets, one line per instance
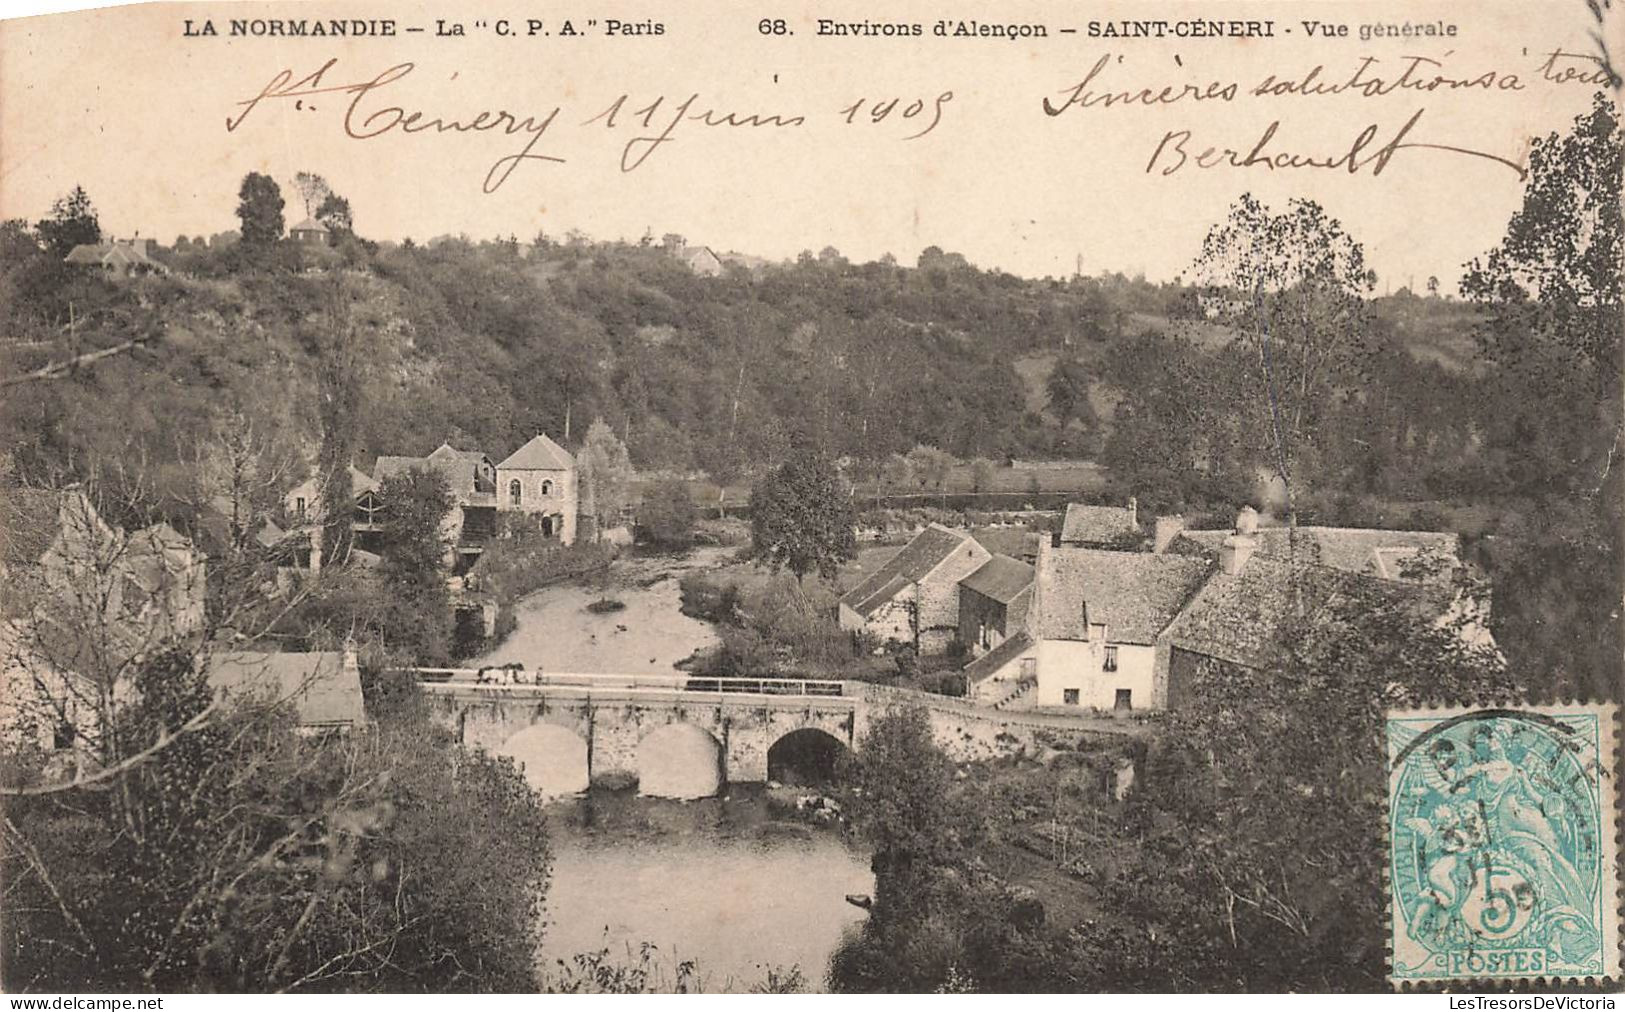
[1503, 853]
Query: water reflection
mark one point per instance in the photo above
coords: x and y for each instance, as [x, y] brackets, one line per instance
[554, 759]
[716, 881]
[679, 761]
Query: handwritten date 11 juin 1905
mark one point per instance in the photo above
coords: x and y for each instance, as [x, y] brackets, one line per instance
[367, 114]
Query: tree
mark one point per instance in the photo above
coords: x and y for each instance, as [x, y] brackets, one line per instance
[1552, 295]
[799, 520]
[313, 191]
[259, 208]
[666, 515]
[243, 856]
[1247, 811]
[339, 380]
[937, 912]
[1554, 280]
[931, 467]
[1433, 286]
[72, 222]
[606, 474]
[413, 547]
[1067, 390]
[334, 212]
[981, 470]
[1291, 288]
[897, 471]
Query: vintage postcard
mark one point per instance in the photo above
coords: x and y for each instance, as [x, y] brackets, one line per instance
[840, 498]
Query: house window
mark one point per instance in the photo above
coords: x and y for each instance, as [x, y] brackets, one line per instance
[299, 507]
[64, 736]
[1069, 697]
[547, 487]
[516, 492]
[1029, 667]
[1111, 659]
[1125, 699]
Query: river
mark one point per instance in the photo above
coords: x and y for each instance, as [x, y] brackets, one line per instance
[713, 881]
[649, 635]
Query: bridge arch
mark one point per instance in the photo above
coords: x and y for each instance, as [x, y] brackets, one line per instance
[678, 759]
[806, 756]
[553, 758]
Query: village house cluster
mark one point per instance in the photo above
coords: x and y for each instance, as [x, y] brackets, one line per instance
[1112, 616]
[537, 480]
[85, 603]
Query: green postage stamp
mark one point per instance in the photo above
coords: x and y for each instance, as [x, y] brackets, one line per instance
[1503, 862]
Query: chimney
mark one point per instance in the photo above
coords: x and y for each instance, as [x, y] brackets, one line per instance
[1133, 512]
[1235, 552]
[1247, 521]
[1041, 580]
[351, 662]
[1165, 531]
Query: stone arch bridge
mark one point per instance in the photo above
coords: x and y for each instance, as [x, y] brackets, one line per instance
[587, 727]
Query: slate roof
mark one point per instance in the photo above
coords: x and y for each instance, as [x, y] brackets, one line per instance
[458, 467]
[987, 665]
[1239, 618]
[389, 465]
[1000, 578]
[322, 690]
[929, 549]
[1016, 542]
[115, 253]
[1379, 553]
[1096, 525]
[540, 454]
[1135, 594]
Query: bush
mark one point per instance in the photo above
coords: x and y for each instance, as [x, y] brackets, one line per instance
[667, 516]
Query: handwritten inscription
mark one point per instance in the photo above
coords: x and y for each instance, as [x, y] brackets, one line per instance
[369, 112]
[379, 105]
[1369, 147]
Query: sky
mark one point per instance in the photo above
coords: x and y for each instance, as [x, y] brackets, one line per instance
[121, 102]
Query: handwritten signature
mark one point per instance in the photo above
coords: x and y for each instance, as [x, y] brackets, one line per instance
[1176, 151]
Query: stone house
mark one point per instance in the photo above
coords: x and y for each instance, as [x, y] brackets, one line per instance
[118, 258]
[310, 232]
[993, 603]
[81, 602]
[302, 510]
[539, 478]
[1092, 635]
[471, 477]
[915, 597]
[324, 687]
[1432, 557]
[702, 260]
[1265, 578]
